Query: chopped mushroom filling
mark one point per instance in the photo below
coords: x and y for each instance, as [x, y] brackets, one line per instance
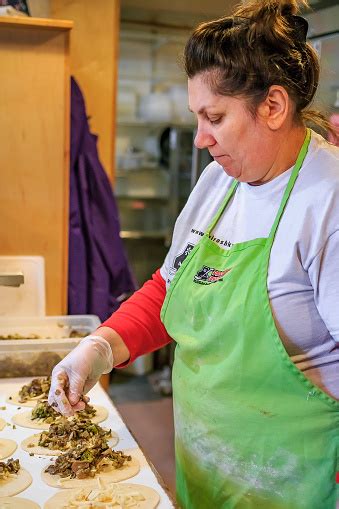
[47, 414]
[37, 388]
[66, 433]
[84, 461]
[16, 335]
[9, 469]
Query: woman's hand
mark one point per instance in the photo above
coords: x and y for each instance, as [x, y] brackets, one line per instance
[78, 372]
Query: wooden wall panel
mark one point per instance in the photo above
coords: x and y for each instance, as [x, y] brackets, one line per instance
[94, 64]
[34, 155]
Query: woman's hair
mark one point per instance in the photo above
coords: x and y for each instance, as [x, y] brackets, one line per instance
[262, 44]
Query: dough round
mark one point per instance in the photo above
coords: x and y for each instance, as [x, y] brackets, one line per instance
[24, 419]
[14, 503]
[7, 447]
[15, 485]
[15, 401]
[152, 498]
[109, 476]
[2, 424]
[38, 449]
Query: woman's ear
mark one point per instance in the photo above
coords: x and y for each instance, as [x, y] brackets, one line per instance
[276, 108]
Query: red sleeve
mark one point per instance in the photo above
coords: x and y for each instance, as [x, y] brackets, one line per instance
[138, 322]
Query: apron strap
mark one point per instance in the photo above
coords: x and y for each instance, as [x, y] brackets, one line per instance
[287, 193]
[222, 207]
[290, 185]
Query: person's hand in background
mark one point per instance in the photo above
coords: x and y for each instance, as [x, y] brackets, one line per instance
[78, 372]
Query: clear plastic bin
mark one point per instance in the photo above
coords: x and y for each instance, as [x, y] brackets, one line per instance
[36, 356]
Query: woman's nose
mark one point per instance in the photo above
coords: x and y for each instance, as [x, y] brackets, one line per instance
[203, 139]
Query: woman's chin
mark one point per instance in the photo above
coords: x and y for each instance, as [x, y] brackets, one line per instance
[231, 172]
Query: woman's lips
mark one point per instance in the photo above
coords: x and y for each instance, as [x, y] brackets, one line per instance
[220, 158]
[227, 164]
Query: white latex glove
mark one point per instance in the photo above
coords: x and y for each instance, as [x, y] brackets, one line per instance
[78, 372]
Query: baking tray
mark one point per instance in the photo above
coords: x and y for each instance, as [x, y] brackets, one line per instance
[38, 491]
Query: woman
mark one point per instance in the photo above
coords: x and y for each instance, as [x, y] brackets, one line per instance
[253, 307]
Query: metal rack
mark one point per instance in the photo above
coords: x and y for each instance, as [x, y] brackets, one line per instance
[170, 193]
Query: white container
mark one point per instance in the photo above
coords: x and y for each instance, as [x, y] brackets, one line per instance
[37, 357]
[29, 298]
[155, 107]
[126, 105]
[179, 98]
[141, 366]
[143, 183]
[131, 160]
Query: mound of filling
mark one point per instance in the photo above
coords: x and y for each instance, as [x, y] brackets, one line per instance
[37, 388]
[114, 496]
[66, 433]
[46, 412]
[20, 336]
[84, 461]
[69, 333]
[9, 469]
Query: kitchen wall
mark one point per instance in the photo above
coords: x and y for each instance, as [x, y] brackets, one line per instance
[323, 20]
[178, 13]
[149, 61]
[326, 21]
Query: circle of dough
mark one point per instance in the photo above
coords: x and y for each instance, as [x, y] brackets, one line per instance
[15, 401]
[7, 447]
[2, 423]
[39, 450]
[13, 486]
[110, 476]
[151, 501]
[24, 419]
[14, 503]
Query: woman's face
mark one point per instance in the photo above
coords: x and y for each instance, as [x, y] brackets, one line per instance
[240, 143]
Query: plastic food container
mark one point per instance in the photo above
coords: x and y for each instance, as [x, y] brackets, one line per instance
[43, 342]
[155, 107]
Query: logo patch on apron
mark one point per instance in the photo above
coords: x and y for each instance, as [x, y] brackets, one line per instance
[208, 275]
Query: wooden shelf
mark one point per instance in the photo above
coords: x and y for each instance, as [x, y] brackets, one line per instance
[142, 197]
[154, 124]
[144, 234]
[22, 21]
[94, 59]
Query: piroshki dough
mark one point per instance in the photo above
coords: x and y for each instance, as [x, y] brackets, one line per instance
[108, 476]
[17, 502]
[14, 485]
[38, 449]
[24, 419]
[7, 447]
[151, 497]
[14, 400]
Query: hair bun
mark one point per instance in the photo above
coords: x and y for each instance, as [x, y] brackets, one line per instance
[273, 21]
[262, 44]
[256, 8]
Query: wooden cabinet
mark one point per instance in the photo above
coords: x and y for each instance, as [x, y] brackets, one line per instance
[94, 64]
[34, 155]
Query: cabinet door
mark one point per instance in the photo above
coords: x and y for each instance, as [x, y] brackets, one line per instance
[34, 155]
[94, 64]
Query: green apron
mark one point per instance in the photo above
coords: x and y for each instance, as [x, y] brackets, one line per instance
[251, 430]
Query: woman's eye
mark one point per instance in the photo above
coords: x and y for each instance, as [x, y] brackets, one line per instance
[215, 121]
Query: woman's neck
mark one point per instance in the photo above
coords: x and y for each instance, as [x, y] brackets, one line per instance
[286, 146]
